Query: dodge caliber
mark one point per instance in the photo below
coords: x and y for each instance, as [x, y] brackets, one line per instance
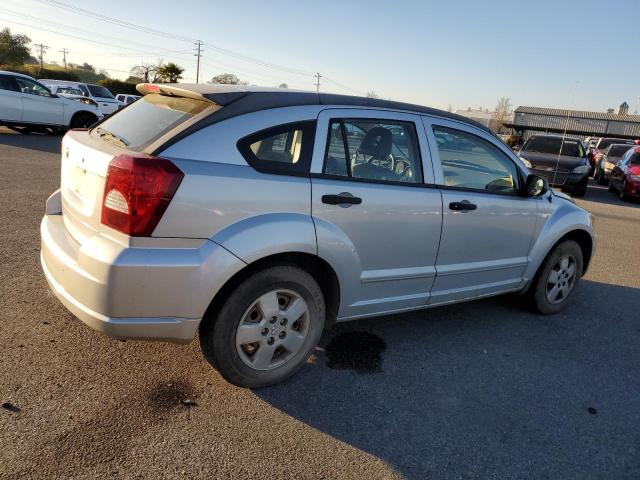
[255, 218]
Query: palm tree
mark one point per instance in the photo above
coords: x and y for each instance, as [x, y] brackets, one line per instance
[170, 73]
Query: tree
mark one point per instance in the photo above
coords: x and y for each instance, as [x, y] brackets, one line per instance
[170, 73]
[88, 67]
[503, 109]
[226, 79]
[146, 72]
[13, 48]
[283, 85]
[372, 94]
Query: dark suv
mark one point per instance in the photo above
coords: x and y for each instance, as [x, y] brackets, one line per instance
[568, 169]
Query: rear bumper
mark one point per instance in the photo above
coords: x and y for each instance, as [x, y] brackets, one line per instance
[134, 293]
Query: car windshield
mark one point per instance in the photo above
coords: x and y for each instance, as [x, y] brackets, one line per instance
[618, 150]
[98, 91]
[146, 120]
[570, 147]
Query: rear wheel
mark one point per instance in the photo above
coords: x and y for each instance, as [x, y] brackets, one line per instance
[83, 120]
[266, 328]
[557, 277]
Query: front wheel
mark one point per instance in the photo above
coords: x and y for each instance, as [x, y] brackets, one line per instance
[267, 327]
[622, 193]
[557, 278]
[83, 120]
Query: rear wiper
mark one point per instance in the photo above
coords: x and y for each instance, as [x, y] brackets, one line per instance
[112, 137]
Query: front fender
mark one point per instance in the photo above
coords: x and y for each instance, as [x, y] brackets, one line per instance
[260, 236]
[561, 220]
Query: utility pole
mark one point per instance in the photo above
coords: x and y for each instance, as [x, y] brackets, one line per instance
[198, 54]
[43, 49]
[64, 52]
[317, 75]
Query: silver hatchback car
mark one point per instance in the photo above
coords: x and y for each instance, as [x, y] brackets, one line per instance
[256, 218]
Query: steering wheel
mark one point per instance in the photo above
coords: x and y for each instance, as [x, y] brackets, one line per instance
[402, 167]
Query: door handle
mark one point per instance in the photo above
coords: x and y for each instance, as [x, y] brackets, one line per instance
[341, 199]
[462, 206]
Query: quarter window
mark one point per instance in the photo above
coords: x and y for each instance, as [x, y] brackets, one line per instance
[284, 149]
[383, 150]
[469, 161]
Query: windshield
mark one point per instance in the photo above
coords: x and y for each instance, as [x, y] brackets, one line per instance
[146, 120]
[570, 147]
[609, 141]
[98, 91]
[618, 150]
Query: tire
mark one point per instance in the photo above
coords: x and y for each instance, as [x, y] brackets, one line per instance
[600, 178]
[83, 120]
[249, 307]
[611, 187]
[622, 193]
[541, 293]
[579, 192]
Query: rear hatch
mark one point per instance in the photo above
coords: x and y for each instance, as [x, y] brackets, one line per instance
[86, 154]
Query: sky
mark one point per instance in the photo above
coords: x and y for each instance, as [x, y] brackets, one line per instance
[458, 53]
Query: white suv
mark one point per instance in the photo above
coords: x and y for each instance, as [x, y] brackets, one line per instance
[103, 97]
[28, 104]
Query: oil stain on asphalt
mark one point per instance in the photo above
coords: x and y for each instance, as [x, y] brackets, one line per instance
[357, 351]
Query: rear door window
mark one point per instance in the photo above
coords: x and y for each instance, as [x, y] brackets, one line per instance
[142, 123]
[7, 83]
[376, 150]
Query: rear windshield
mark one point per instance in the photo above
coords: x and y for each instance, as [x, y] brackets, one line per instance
[143, 122]
[618, 150]
[609, 141]
[570, 147]
[98, 91]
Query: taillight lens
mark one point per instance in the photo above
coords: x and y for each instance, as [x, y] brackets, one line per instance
[137, 192]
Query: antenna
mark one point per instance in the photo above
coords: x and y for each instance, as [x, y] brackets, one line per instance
[566, 127]
[198, 54]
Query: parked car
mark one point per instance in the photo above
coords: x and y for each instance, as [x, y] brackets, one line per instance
[601, 146]
[27, 105]
[625, 176]
[609, 159]
[568, 169]
[101, 95]
[127, 99]
[72, 93]
[252, 218]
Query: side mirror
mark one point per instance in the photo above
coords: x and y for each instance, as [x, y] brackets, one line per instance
[535, 186]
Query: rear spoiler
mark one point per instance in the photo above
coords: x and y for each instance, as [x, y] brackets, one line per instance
[170, 89]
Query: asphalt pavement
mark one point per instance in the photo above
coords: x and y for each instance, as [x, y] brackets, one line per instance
[481, 390]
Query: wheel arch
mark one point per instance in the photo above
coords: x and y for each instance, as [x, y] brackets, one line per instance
[321, 271]
[75, 114]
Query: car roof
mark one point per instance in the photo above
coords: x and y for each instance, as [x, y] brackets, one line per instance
[4, 72]
[241, 99]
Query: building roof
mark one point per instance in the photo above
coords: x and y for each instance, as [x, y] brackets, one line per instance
[558, 112]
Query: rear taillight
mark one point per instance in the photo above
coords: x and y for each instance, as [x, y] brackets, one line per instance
[137, 192]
